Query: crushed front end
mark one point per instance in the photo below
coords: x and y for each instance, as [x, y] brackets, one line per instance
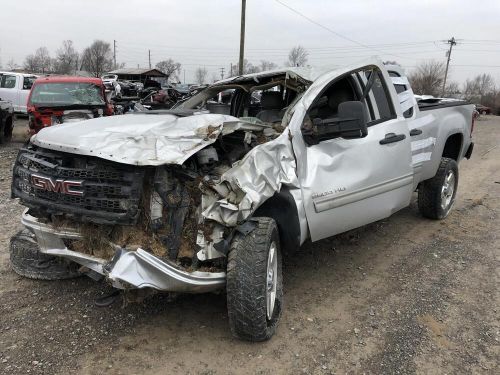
[136, 226]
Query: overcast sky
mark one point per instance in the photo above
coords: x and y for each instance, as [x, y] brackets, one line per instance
[206, 32]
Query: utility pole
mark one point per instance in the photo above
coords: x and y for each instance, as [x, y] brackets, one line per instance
[184, 76]
[451, 42]
[242, 36]
[222, 73]
[114, 53]
[231, 71]
[149, 55]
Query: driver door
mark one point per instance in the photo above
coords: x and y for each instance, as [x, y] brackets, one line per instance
[347, 183]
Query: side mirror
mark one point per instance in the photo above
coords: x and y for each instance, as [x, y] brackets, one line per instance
[350, 123]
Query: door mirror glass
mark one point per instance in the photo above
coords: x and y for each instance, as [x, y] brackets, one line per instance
[350, 123]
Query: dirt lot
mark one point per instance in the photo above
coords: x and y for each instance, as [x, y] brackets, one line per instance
[405, 295]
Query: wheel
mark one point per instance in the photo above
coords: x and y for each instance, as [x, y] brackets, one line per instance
[7, 130]
[254, 282]
[437, 195]
[27, 260]
[483, 113]
[2, 132]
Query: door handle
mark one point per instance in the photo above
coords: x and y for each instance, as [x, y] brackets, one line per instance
[414, 132]
[391, 138]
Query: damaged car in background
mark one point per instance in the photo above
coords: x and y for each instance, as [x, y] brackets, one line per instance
[61, 99]
[209, 195]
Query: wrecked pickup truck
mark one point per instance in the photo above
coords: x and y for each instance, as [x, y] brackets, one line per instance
[209, 195]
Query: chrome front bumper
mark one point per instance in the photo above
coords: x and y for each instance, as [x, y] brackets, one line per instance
[128, 269]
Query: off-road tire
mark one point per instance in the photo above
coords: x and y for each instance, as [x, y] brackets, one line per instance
[6, 130]
[246, 282]
[2, 134]
[27, 260]
[429, 191]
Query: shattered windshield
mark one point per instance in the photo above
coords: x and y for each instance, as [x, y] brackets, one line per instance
[67, 93]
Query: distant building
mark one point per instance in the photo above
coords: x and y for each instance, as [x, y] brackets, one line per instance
[142, 75]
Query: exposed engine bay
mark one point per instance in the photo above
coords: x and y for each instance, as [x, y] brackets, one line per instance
[175, 184]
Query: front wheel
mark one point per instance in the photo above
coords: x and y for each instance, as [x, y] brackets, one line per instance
[254, 282]
[437, 195]
[27, 260]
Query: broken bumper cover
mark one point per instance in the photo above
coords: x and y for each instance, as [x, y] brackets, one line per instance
[128, 269]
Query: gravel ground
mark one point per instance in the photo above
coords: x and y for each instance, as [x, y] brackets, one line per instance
[404, 295]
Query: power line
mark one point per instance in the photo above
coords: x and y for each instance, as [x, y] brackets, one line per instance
[332, 31]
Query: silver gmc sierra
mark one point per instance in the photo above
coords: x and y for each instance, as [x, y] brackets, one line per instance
[208, 195]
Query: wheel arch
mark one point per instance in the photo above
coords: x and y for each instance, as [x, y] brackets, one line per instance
[282, 208]
[453, 146]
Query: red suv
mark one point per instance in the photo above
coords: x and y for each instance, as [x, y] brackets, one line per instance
[56, 100]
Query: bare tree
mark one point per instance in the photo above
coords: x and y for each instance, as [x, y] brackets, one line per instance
[248, 68]
[170, 68]
[470, 90]
[66, 60]
[297, 56]
[97, 58]
[476, 89]
[485, 84]
[44, 60]
[267, 65]
[452, 89]
[39, 62]
[200, 75]
[31, 64]
[428, 78]
[11, 64]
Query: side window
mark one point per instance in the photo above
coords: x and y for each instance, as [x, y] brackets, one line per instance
[8, 82]
[326, 106]
[28, 82]
[378, 97]
[399, 89]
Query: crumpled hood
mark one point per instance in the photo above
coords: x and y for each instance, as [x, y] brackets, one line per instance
[138, 139]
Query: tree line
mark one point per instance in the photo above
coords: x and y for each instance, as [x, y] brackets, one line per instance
[428, 79]
[98, 59]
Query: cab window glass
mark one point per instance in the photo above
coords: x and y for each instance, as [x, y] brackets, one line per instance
[8, 82]
[28, 82]
[378, 97]
[399, 89]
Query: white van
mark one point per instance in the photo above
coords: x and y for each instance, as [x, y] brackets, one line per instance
[15, 88]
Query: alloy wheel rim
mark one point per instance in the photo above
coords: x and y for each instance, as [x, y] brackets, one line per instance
[447, 190]
[271, 280]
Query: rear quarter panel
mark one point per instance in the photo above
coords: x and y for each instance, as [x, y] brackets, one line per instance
[445, 122]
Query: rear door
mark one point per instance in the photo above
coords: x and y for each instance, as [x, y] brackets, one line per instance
[8, 89]
[347, 183]
[25, 84]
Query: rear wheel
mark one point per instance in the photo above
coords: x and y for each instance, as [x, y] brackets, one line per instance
[437, 195]
[254, 282]
[27, 260]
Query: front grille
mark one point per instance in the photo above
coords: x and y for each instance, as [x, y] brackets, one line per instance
[111, 191]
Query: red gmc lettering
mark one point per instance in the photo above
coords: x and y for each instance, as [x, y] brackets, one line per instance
[57, 186]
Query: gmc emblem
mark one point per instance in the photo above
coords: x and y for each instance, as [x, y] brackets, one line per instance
[57, 186]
